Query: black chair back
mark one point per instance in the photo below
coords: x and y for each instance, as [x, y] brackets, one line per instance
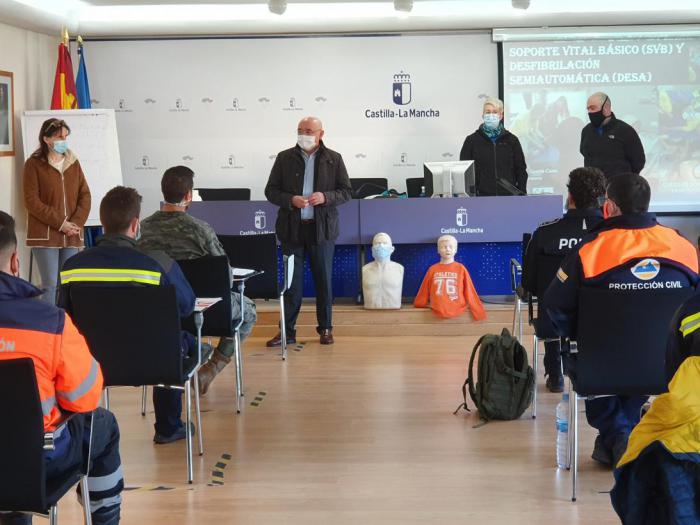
[364, 187]
[133, 332]
[210, 277]
[257, 252]
[621, 338]
[224, 194]
[22, 483]
[413, 186]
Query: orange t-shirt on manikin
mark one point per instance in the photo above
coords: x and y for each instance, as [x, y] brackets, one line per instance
[450, 290]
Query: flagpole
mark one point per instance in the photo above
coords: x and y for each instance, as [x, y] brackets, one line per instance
[64, 93]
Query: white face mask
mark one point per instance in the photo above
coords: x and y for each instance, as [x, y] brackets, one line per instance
[306, 142]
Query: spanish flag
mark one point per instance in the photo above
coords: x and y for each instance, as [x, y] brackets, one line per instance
[64, 93]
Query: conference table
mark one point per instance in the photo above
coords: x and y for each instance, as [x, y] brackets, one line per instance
[407, 221]
[489, 230]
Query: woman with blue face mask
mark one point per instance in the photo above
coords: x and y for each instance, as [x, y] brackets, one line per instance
[498, 157]
[57, 199]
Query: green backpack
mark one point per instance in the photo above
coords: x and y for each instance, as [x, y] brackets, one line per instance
[506, 382]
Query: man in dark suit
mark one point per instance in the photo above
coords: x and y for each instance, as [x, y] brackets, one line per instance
[308, 182]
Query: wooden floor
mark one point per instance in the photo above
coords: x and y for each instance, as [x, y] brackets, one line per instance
[358, 433]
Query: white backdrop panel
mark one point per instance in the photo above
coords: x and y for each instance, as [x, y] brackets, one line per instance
[225, 107]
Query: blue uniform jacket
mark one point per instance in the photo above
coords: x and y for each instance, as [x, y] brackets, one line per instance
[117, 256]
[628, 252]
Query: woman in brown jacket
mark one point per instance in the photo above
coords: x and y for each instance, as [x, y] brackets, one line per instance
[57, 198]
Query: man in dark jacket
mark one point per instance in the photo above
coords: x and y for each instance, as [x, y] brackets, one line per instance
[116, 261]
[608, 143]
[496, 152]
[629, 251]
[308, 182]
[554, 240]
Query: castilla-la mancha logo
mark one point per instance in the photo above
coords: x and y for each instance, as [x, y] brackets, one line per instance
[144, 163]
[402, 88]
[462, 227]
[260, 220]
[462, 219]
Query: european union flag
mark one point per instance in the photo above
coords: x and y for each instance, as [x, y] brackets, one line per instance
[81, 81]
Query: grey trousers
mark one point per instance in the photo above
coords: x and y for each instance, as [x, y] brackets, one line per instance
[50, 261]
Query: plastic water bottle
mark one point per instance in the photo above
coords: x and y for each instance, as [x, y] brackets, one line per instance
[562, 415]
[422, 191]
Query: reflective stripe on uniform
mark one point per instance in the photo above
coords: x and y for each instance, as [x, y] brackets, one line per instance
[84, 387]
[690, 324]
[96, 505]
[47, 405]
[110, 275]
[104, 483]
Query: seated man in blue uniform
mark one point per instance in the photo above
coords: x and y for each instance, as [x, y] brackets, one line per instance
[556, 239]
[628, 251]
[658, 479]
[69, 381]
[120, 263]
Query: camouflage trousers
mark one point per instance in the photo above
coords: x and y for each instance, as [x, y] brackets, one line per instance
[249, 316]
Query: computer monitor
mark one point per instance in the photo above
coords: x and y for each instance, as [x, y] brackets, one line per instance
[450, 179]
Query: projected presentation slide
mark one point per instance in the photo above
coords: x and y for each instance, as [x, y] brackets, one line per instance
[654, 85]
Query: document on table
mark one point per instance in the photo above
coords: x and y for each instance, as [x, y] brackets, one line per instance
[204, 303]
[241, 272]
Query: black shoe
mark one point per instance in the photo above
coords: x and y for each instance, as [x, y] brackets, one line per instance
[601, 453]
[106, 516]
[555, 384]
[160, 439]
[277, 340]
[619, 449]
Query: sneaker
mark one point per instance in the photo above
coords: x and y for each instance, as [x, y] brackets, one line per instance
[160, 439]
[601, 453]
[555, 384]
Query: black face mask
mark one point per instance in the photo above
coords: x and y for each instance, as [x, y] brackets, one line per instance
[597, 117]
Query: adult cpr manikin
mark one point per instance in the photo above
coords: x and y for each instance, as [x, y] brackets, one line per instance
[382, 279]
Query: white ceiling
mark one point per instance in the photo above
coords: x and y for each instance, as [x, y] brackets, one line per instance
[124, 18]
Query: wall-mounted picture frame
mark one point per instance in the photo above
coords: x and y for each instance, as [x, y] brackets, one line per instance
[7, 112]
